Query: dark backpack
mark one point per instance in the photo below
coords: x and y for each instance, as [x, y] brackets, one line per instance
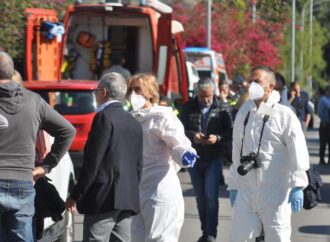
[312, 193]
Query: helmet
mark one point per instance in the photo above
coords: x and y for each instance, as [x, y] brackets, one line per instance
[85, 39]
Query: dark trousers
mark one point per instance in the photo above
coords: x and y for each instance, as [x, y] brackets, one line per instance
[324, 133]
[113, 226]
[206, 181]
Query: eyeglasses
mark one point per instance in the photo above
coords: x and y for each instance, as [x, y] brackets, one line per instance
[97, 89]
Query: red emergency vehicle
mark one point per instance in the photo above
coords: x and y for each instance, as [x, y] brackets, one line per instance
[144, 33]
[79, 47]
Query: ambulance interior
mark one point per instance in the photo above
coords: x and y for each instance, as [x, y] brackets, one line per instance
[130, 36]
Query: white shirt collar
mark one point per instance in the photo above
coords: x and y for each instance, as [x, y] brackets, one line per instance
[104, 105]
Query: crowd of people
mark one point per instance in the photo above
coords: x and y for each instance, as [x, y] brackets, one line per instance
[128, 188]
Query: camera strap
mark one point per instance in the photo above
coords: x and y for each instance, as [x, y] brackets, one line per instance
[265, 119]
[245, 123]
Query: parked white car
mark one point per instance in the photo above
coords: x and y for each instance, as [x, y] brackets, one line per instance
[192, 78]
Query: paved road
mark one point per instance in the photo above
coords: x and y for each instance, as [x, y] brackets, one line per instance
[307, 226]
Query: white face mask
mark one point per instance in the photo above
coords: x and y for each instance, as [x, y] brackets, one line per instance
[256, 91]
[137, 101]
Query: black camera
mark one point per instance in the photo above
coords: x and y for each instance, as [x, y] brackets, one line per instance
[248, 162]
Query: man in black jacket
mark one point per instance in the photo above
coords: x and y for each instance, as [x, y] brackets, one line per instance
[107, 189]
[208, 125]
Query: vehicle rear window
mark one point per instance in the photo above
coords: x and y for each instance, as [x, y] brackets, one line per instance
[70, 102]
[204, 74]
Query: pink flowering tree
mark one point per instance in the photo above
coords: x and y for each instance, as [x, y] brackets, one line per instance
[243, 44]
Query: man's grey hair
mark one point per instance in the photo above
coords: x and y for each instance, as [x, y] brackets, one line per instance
[224, 84]
[6, 66]
[204, 83]
[268, 70]
[115, 85]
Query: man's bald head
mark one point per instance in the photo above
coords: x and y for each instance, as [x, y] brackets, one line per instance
[271, 79]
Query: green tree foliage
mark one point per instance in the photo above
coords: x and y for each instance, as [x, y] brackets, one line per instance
[272, 10]
[322, 15]
[12, 22]
[309, 58]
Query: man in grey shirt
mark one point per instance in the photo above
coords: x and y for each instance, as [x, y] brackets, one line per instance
[117, 62]
[26, 113]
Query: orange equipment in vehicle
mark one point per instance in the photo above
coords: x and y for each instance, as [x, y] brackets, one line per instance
[43, 65]
[85, 39]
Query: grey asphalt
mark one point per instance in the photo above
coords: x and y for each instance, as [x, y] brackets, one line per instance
[307, 225]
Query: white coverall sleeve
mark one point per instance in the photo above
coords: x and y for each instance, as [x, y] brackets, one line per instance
[171, 131]
[232, 180]
[297, 151]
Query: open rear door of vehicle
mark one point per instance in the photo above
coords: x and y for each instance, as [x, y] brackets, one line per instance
[163, 54]
[178, 75]
[42, 57]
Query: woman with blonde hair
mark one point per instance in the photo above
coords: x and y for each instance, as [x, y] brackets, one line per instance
[165, 150]
[17, 78]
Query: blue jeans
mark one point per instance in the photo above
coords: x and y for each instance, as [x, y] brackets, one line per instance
[16, 210]
[206, 181]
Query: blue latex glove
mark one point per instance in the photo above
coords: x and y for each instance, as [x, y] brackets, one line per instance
[189, 159]
[232, 196]
[296, 198]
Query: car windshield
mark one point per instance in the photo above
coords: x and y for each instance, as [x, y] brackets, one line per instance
[70, 102]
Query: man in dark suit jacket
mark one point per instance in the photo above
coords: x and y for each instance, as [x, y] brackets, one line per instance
[107, 189]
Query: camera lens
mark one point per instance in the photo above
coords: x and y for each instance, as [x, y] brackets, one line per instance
[244, 168]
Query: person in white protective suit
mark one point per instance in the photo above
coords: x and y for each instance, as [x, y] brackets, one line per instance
[270, 159]
[165, 150]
